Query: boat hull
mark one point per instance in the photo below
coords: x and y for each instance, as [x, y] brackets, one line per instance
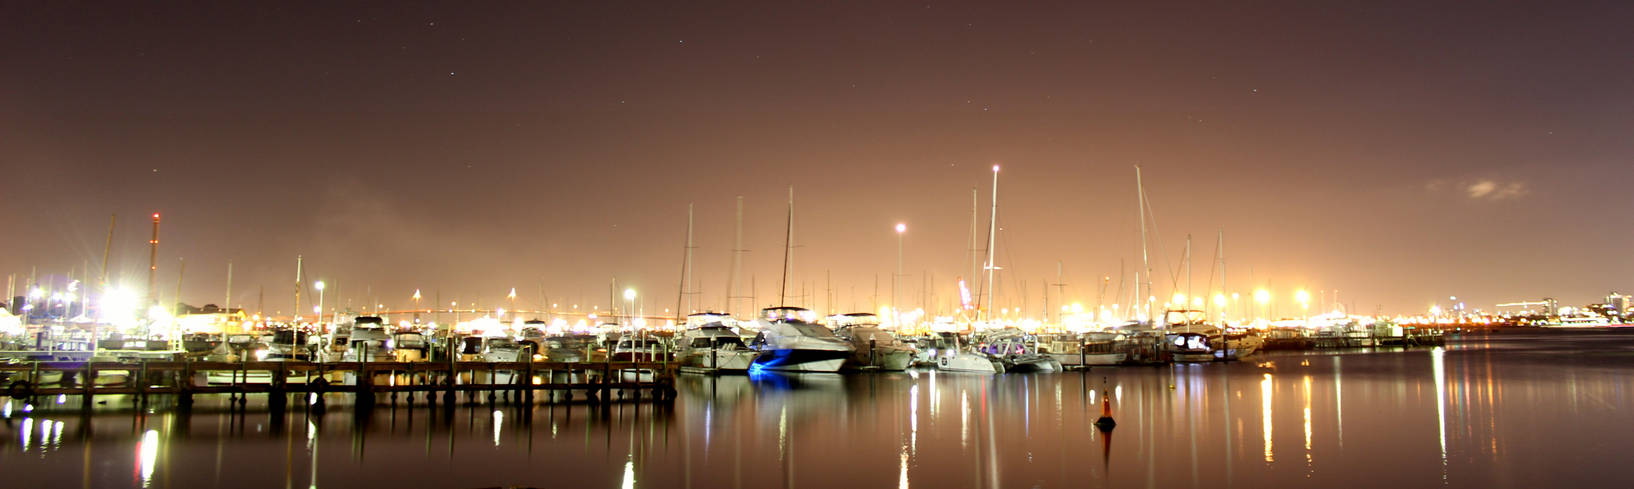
[720, 360]
[800, 360]
[1193, 357]
[883, 360]
[968, 362]
[1032, 364]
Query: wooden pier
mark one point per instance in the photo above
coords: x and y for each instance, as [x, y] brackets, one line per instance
[598, 382]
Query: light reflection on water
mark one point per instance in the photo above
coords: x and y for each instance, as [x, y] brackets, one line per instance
[1549, 410]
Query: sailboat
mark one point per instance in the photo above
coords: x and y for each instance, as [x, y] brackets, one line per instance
[789, 339]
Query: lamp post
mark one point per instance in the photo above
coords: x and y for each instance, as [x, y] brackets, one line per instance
[416, 306]
[319, 311]
[896, 311]
[1263, 298]
[512, 297]
[629, 304]
[1304, 299]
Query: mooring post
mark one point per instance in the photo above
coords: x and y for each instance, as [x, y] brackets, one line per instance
[87, 381]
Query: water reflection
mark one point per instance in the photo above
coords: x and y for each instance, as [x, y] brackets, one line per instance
[1508, 412]
[1265, 417]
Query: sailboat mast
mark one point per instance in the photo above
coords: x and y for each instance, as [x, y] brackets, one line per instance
[153, 264]
[686, 268]
[1219, 251]
[975, 259]
[788, 250]
[1188, 270]
[992, 235]
[227, 304]
[103, 281]
[1145, 257]
[297, 314]
[732, 294]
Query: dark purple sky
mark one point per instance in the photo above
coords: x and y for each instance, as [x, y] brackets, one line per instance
[1400, 152]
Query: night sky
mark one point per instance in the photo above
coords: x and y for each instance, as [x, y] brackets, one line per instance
[1399, 152]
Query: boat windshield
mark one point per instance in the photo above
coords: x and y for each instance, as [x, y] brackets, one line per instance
[410, 340]
[371, 344]
[288, 337]
[638, 344]
[812, 330]
[719, 341]
[501, 343]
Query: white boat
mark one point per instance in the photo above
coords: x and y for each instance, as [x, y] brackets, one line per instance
[1017, 354]
[790, 342]
[709, 345]
[409, 346]
[1182, 328]
[873, 347]
[1582, 321]
[1188, 347]
[1088, 349]
[944, 352]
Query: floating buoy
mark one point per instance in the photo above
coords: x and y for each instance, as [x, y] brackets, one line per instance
[1105, 423]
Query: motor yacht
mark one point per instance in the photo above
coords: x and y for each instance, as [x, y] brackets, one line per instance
[873, 347]
[790, 342]
[709, 344]
[1017, 353]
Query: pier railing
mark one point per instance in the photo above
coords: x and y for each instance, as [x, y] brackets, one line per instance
[185, 378]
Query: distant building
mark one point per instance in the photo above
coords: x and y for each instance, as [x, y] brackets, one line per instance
[1617, 304]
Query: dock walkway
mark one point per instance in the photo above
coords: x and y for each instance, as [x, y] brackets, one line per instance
[597, 381]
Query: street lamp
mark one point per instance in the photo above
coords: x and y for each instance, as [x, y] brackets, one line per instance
[1263, 298]
[896, 314]
[629, 301]
[1304, 299]
[512, 297]
[319, 310]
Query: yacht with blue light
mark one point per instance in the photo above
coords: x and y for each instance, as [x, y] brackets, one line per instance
[789, 341]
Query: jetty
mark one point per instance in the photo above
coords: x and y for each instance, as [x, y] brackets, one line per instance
[595, 383]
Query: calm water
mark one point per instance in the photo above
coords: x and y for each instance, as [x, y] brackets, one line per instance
[1508, 410]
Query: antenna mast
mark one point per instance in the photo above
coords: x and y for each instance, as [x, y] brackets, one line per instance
[992, 235]
[788, 251]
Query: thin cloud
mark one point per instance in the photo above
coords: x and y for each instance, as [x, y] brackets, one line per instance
[1493, 190]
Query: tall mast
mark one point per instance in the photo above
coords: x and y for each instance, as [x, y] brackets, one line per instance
[228, 304]
[686, 270]
[732, 293]
[1188, 271]
[153, 264]
[992, 236]
[296, 316]
[1145, 258]
[788, 251]
[180, 270]
[975, 259]
[175, 338]
[1219, 251]
[103, 281]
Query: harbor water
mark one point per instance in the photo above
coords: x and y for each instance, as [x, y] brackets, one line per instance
[1532, 409]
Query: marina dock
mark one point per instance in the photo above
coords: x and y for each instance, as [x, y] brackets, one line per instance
[598, 382]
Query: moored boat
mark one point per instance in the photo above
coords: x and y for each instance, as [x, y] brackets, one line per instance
[790, 342]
